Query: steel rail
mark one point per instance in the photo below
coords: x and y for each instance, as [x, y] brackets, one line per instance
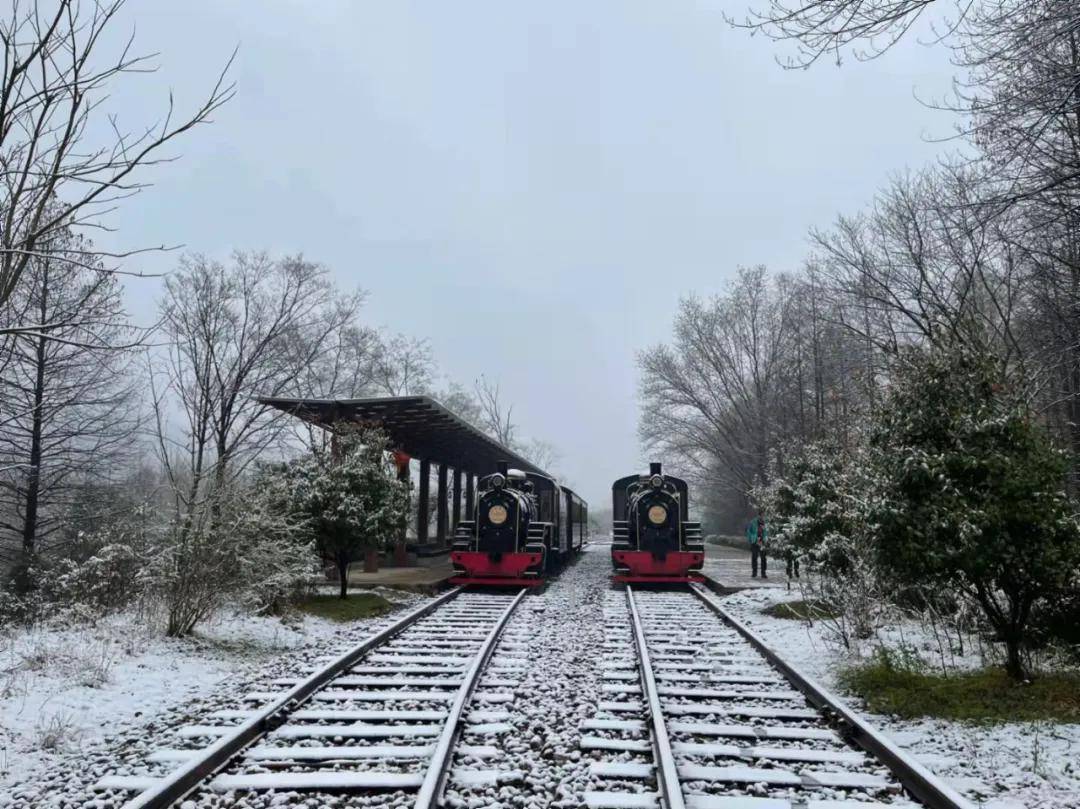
[919, 781]
[671, 796]
[213, 758]
[439, 766]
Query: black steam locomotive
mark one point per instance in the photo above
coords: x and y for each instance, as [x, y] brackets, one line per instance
[653, 539]
[526, 525]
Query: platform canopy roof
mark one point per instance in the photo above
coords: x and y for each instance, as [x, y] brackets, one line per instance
[417, 425]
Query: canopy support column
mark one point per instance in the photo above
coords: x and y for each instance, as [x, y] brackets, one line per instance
[401, 554]
[440, 506]
[455, 512]
[422, 505]
[470, 495]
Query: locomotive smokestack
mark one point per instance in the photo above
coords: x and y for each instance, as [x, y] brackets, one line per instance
[654, 469]
[502, 467]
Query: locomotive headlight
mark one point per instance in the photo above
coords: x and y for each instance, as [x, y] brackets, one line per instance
[498, 481]
[656, 481]
[497, 515]
[658, 515]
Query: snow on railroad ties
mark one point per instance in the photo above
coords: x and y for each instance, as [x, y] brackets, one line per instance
[105, 697]
[1006, 766]
[616, 736]
[373, 742]
[752, 739]
[556, 633]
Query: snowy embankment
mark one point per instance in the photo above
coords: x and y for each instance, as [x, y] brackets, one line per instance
[75, 701]
[1006, 766]
[554, 638]
[82, 703]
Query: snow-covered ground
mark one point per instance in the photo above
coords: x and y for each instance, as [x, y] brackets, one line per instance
[558, 689]
[1008, 766]
[78, 704]
[70, 697]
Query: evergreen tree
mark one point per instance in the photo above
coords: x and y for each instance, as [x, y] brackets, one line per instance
[815, 508]
[351, 498]
[969, 494]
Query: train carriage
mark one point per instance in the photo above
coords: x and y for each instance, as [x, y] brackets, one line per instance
[653, 539]
[577, 512]
[526, 525]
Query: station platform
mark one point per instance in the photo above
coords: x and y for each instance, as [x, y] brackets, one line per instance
[418, 578]
[728, 569]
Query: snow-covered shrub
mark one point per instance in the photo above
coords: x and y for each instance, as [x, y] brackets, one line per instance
[968, 495]
[107, 581]
[816, 507]
[858, 604]
[242, 547]
[88, 574]
[279, 562]
[351, 500]
[21, 601]
[816, 510]
[13, 608]
[192, 573]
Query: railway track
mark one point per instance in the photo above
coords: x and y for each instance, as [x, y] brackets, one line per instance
[405, 710]
[700, 714]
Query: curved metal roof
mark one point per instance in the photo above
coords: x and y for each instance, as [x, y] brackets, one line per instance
[417, 425]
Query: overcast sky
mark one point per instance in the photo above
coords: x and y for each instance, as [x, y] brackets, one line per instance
[531, 186]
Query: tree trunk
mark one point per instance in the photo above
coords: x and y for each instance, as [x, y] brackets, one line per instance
[33, 483]
[343, 577]
[1014, 661]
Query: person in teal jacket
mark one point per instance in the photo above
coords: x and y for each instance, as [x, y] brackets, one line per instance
[757, 534]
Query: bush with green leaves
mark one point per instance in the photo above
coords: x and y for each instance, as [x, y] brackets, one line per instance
[350, 499]
[969, 491]
[815, 508]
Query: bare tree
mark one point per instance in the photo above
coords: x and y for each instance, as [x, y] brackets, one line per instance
[820, 27]
[712, 394]
[55, 173]
[542, 453]
[462, 403]
[496, 416]
[403, 366]
[69, 417]
[1018, 98]
[484, 408]
[923, 264]
[345, 365]
[237, 331]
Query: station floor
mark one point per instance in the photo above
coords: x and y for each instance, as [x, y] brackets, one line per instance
[423, 579]
[730, 569]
